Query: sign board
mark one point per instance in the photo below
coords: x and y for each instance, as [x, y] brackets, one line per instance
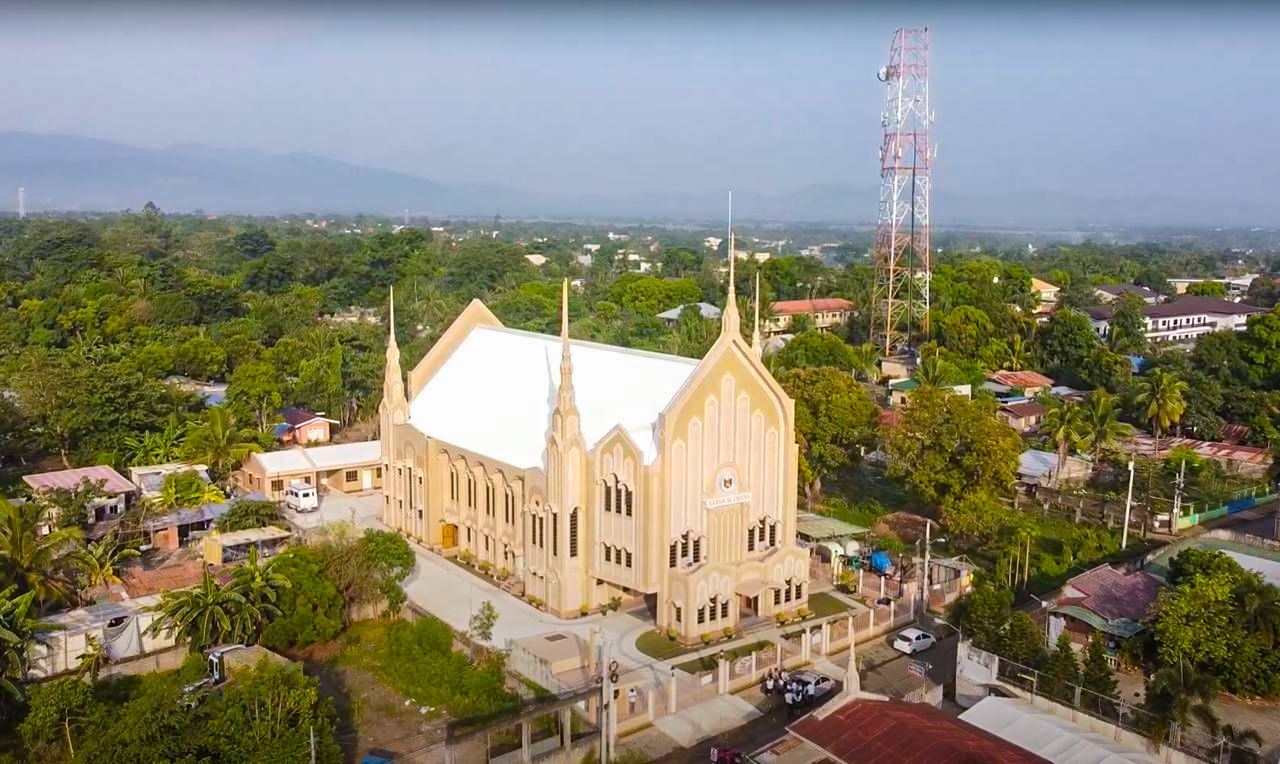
[724, 501]
[917, 668]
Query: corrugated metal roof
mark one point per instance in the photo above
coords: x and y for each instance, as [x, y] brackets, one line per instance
[819, 305]
[112, 482]
[1050, 737]
[820, 528]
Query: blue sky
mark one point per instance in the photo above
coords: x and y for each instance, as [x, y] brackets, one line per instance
[1080, 98]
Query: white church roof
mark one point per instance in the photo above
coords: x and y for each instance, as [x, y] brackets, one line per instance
[495, 393]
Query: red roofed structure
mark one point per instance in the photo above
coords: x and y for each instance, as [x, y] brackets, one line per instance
[1030, 382]
[893, 732]
[825, 311]
[1105, 600]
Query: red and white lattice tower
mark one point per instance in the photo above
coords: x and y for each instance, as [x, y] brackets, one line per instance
[901, 255]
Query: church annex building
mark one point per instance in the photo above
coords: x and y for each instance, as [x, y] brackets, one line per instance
[591, 471]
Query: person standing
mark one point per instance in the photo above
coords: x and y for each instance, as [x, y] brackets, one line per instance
[768, 684]
[790, 700]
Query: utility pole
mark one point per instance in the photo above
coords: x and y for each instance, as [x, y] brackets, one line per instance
[1177, 497]
[312, 729]
[1128, 505]
[924, 596]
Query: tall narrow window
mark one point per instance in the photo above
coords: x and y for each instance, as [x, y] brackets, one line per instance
[608, 497]
[671, 561]
[773, 534]
[555, 533]
[724, 609]
[608, 553]
[684, 545]
[697, 549]
[627, 497]
[702, 614]
[628, 554]
[751, 539]
[573, 533]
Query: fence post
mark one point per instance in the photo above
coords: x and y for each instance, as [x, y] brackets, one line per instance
[722, 675]
[849, 622]
[777, 646]
[871, 619]
[753, 666]
[1075, 707]
[826, 637]
[651, 701]
[671, 692]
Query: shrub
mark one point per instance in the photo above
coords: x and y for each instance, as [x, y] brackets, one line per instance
[584, 611]
[706, 638]
[249, 513]
[727, 632]
[311, 609]
[781, 618]
[485, 566]
[465, 556]
[615, 603]
[502, 574]
[672, 634]
[805, 612]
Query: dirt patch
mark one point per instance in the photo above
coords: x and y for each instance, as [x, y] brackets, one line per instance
[908, 527]
[373, 718]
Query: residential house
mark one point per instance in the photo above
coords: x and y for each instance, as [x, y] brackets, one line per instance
[708, 311]
[1017, 383]
[117, 491]
[212, 393]
[592, 472]
[901, 389]
[303, 426]
[1108, 293]
[536, 259]
[826, 312]
[1102, 600]
[347, 467]
[1237, 286]
[222, 548]
[1247, 461]
[177, 527]
[150, 478]
[1040, 468]
[1048, 295]
[1183, 319]
[898, 366]
[1025, 417]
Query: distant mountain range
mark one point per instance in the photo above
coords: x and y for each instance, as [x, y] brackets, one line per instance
[68, 172]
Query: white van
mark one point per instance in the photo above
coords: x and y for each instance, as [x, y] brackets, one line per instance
[301, 497]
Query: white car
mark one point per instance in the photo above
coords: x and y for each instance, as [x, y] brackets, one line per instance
[912, 641]
[821, 684]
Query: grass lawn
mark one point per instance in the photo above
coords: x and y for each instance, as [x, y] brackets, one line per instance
[824, 604]
[656, 645]
[708, 662]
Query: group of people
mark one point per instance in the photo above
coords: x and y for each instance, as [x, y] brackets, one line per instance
[795, 694]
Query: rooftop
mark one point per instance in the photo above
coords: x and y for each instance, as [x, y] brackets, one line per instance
[1020, 379]
[819, 528]
[1025, 409]
[112, 482]
[819, 305]
[327, 457]
[1039, 285]
[252, 536]
[705, 308]
[1113, 594]
[495, 392]
[297, 416]
[1118, 289]
[892, 732]
[1184, 305]
[1054, 738]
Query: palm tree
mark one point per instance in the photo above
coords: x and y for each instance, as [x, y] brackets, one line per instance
[1102, 426]
[865, 359]
[1178, 696]
[259, 584]
[1241, 744]
[219, 443]
[204, 615]
[99, 562]
[1065, 424]
[1260, 607]
[157, 447]
[18, 629]
[93, 659]
[933, 371]
[186, 489]
[1017, 358]
[1163, 398]
[32, 560]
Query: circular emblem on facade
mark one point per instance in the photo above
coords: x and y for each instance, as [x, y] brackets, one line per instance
[727, 481]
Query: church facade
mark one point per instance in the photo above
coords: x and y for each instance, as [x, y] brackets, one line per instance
[592, 472]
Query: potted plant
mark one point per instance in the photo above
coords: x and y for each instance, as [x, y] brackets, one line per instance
[781, 618]
[615, 603]
[727, 632]
[584, 611]
[706, 638]
[672, 634]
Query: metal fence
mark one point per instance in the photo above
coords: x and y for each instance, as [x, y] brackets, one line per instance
[1191, 739]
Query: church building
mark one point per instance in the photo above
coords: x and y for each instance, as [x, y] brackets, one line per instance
[589, 471]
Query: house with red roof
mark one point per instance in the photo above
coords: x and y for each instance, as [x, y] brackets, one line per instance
[826, 312]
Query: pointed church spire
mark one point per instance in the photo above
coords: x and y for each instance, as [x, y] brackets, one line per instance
[393, 379]
[391, 319]
[730, 322]
[566, 360]
[755, 331]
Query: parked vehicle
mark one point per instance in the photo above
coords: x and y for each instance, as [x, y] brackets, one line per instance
[822, 684]
[301, 497]
[912, 641]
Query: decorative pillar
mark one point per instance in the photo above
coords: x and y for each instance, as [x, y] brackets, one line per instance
[671, 692]
[826, 637]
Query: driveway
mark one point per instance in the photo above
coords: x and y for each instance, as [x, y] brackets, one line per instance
[452, 594]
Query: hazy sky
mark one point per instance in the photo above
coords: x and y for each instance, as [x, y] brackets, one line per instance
[1151, 98]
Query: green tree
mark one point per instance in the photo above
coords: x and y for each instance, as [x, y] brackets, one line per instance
[311, 609]
[934, 370]
[1062, 671]
[204, 615]
[271, 714]
[256, 387]
[1242, 744]
[815, 349]
[965, 330]
[32, 560]
[1259, 604]
[180, 490]
[218, 442]
[1023, 640]
[1176, 697]
[1102, 429]
[250, 513]
[1161, 394]
[100, 561]
[834, 417]
[480, 627]
[1127, 327]
[982, 614]
[1066, 425]
[93, 659]
[58, 714]
[947, 446]
[19, 628]
[259, 584]
[1096, 677]
[1065, 343]
[865, 361]
[1208, 289]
